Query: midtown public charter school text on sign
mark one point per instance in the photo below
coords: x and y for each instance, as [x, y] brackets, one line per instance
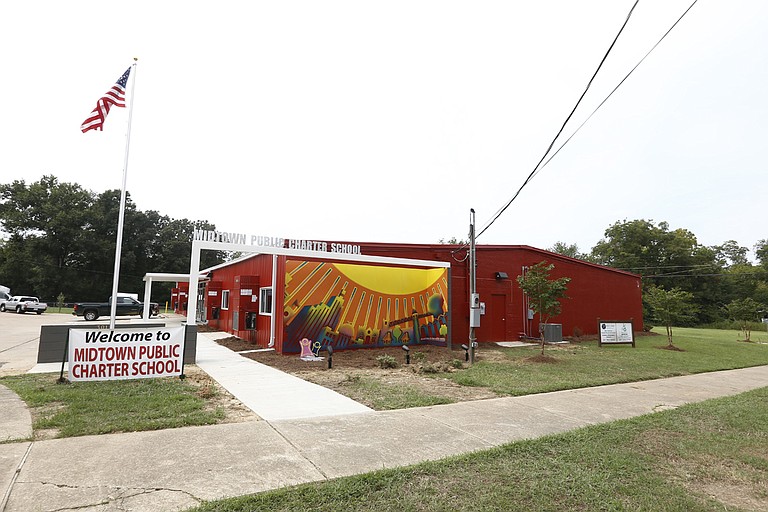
[125, 354]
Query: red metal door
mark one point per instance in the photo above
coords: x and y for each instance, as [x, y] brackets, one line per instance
[497, 317]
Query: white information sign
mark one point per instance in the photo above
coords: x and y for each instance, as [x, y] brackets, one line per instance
[616, 332]
[96, 354]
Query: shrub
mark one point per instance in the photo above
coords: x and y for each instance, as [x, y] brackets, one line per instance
[438, 367]
[431, 368]
[386, 361]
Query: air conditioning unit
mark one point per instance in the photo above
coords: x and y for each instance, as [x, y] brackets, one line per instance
[553, 333]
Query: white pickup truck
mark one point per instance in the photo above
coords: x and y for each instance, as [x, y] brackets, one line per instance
[24, 303]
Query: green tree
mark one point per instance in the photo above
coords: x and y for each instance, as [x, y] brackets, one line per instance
[670, 307]
[45, 221]
[731, 253]
[667, 258]
[570, 250]
[744, 311]
[543, 293]
[61, 239]
[761, 251]
[452, 241]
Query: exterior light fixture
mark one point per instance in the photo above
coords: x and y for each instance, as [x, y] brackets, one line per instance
[407, 350]
[502, 275]
[466, 352]
[329, 349]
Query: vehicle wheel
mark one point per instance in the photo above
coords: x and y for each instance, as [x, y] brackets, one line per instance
[39, 312]
[90, 316]
[2, 307]
[19, 310]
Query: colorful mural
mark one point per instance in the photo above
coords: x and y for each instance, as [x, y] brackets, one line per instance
[357, 306]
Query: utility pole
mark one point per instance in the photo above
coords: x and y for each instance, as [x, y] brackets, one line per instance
[474, 297]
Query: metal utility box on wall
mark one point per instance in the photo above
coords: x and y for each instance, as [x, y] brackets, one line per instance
[553, 333]
[474, 310]
[247, 307]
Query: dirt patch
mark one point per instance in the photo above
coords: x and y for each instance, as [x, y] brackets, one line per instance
[671, 347]
[422, 374]
[216, 396]
[541, 358]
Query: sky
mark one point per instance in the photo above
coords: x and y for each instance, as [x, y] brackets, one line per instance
[389, 121]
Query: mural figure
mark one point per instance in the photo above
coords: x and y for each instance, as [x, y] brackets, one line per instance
[309, 350]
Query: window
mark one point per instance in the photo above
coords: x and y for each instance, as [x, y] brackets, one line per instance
[225, 299]
[265, 301]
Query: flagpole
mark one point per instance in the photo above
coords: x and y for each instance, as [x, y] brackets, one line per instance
[121, 217]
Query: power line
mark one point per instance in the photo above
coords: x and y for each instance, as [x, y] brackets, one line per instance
[541, 165]
[700, 265]
[725, 274]
[562, 127]
[617, 86]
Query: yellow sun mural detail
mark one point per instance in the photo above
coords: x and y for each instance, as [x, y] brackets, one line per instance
[390, 280]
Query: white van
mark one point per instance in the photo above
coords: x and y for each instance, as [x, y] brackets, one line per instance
[5, 294]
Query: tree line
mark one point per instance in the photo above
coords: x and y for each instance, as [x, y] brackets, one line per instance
[714, 283]
[58, 242]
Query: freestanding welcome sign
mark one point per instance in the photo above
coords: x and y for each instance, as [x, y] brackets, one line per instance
[616, 332]
[96, 354]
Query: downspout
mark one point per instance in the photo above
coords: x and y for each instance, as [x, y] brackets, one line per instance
[274, 299]
[526, 327]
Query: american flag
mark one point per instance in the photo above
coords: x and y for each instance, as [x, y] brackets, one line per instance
[113, 97]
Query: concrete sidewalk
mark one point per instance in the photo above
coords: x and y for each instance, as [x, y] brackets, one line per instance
[174, 469]
[15, 420]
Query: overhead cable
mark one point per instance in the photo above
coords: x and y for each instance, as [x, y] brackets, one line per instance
[615, 88]
[562, 127]
[542, 163]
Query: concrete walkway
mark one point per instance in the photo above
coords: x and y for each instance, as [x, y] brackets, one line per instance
[270, 393]
[174, 469]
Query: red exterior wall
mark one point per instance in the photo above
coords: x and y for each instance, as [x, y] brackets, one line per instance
[180, 298]
[249, 274]
[594, 291]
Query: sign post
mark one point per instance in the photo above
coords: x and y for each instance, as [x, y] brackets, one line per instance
[616, 332]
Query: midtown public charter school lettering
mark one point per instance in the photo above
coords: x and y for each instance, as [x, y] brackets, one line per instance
[125, 354]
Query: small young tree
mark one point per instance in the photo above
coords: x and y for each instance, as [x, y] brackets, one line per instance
[744, 311]
[544, 294]
[670, 307]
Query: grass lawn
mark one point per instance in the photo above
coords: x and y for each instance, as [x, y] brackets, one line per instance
[709, 456]
[387, 397]
[85, 408]
[585, 364]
